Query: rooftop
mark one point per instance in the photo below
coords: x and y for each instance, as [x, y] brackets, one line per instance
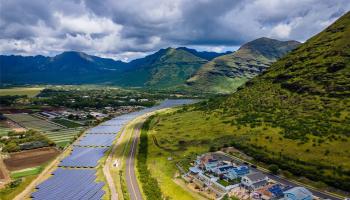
[256, 176]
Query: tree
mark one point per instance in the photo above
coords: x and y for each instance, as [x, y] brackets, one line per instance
[273, 169]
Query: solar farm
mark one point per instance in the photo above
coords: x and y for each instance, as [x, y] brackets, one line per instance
[75, 177]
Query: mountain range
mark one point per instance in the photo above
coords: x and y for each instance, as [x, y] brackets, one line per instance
[295, 115]
[170, 68]
[226, 73]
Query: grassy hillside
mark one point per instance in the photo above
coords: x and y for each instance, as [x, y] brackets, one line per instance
[226, 73]
[166, 68]
[296, 114]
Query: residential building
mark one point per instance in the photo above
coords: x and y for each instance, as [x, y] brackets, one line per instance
[254, 181]
[298, 193]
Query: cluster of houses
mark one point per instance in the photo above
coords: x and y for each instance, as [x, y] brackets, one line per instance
[218, 174]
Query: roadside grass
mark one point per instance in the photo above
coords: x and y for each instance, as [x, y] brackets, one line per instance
[101, 177]
[183, 135]
[9, 193]
[162, 161]
[29, 91]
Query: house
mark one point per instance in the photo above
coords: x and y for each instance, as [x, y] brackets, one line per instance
[254, 181]
[298, 193]
[269, 192]
[236, 172]
[223, 169]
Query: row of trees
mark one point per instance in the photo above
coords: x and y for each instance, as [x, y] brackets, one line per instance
[150, 185]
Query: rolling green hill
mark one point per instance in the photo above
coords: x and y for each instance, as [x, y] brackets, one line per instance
[226, 73]
[166, 68]
[296, 115]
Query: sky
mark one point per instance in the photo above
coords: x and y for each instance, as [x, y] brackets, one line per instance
[128, 29]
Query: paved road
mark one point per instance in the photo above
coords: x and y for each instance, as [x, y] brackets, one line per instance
[316, 192]
[131, 179]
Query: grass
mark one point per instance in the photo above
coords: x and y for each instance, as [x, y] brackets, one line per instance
[165, 170]
[9, 193]
[100, 176]
[223, 182]
[183, 135]
[66, 123]
[29, 91]
[26, 172]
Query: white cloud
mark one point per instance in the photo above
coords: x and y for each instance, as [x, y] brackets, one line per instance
[128, 29]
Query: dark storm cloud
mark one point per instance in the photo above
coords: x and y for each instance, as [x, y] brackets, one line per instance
[132, 28]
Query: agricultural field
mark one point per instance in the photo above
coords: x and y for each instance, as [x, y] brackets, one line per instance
[29, 91]
[64, 136]
[26, 172]
[67, 123]
[4, 131]
[30, 122]
[30, 158]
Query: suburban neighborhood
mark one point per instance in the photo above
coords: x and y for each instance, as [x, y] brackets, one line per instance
[218, 176]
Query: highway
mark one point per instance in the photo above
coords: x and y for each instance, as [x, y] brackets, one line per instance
[131, 179]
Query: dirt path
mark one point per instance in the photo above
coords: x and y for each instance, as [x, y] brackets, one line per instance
[108, 164]
[4, 173]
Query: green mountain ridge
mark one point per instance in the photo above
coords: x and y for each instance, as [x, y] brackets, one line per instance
[167, 68]
[296, 114]
[226, 73]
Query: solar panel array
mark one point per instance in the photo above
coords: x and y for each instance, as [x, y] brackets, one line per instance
[97, 140]
[80, 183]
[83, 157]
[104, 130]
[70, 184]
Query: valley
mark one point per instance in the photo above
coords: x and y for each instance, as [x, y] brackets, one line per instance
[243, 117]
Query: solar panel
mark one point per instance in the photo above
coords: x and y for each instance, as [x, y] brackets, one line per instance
[83, 157]
[70, 184]
[67, 183]
[97, 140]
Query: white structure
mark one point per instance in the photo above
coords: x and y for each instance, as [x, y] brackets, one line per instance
[254, 181]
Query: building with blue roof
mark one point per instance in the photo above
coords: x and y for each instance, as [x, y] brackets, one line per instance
[298, 193]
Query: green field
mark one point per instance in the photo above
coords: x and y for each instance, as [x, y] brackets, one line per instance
[4, 131]
[29, 91]
[66, 123]
[63, 136]
[26, 172]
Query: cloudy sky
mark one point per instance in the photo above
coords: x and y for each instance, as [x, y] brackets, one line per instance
[126, 29]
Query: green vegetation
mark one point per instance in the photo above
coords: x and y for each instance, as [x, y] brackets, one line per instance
[30, 122]
[66, 123]
[25, 140]
[150, 185]
[226, 73]
[273, 168]
[21, 91]
[295, 115]
[15, 187]
[26, 172]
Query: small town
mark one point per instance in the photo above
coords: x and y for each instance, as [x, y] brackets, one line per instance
[218, 176]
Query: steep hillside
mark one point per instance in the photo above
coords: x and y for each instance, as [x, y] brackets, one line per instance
[66, 68]
[295, 115]
[166, 68]
[226, 73]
